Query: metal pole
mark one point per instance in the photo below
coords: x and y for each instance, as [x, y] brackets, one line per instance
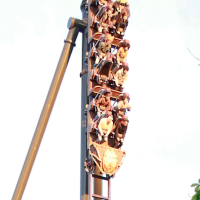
[84, 152]
[97, 183]
[90, 186]
[74, 27]
[109, 189]
[83, 175]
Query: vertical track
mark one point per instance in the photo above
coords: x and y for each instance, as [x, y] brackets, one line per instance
[84, 153]
[97, 183]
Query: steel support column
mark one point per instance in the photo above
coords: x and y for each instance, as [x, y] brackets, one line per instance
[83, 175]
[74, 27]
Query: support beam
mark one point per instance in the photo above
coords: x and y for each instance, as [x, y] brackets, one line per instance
[84, 152]
[75, 26]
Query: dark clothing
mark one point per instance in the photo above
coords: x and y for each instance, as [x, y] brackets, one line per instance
[120, 131]
[121, 24]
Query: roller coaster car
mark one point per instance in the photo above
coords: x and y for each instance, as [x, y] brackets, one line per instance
[118, 76]
[103, 127]
[104, 20]
[120, 57]
[100, 131]
[101, 94]
[103, 70]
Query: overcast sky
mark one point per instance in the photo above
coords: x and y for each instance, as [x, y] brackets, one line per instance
[162, 141]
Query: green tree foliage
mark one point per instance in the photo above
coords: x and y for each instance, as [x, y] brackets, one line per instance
[197, 190]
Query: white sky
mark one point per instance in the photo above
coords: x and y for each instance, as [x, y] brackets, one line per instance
[162, 142]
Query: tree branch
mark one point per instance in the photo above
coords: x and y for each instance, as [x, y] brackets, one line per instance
[193, 55]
